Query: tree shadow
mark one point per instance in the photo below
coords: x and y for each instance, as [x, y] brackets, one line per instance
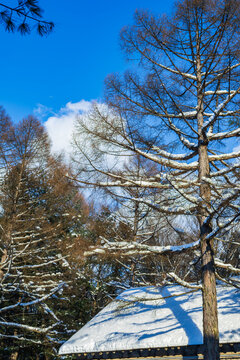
[137, 306]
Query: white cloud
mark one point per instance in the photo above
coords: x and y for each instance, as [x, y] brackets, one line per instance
[60, 126]
[81, 106]
[42, 111]
[99, 136]
[70, 125]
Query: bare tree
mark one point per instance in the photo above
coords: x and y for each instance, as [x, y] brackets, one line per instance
[184, 94]
[134, 222]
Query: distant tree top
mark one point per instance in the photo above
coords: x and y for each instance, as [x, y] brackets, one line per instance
[24, 17]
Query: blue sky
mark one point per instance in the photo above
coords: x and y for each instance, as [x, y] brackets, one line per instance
[71, 63]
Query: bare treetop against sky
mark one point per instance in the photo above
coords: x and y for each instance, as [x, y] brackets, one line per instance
[72, 62]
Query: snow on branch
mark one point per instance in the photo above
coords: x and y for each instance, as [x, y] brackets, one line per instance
[219, 92]
[228, 281]
[188, 197]
[193, 114]
[183, 282]
[182, 136]
[133, 248]
[21, 338]
[224, 135]
[181, 115]
[127, 184]
[178, 72]
[218, 110]
[169, 210]
[187, 143]
[49, 311]
[226, 156]
[221, 73]
[172, 156]
[33, 302]
[221, 227]
[228, 267]
[167, 162]
[149, 183]
[224, 171]
[28, 327]
[39, 265]
[223, 114]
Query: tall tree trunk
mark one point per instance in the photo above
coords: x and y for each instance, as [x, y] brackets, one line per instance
[209, 296]
[210, 313]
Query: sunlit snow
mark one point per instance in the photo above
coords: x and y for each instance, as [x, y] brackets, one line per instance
[151, 317]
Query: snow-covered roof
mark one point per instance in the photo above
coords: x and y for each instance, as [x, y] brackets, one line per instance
[151, 317]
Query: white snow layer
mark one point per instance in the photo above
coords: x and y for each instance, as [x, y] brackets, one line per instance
[151, 317]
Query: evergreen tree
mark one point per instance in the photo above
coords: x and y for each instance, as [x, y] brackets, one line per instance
[23, 17]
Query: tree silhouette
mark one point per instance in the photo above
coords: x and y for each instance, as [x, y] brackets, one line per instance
[24, 17]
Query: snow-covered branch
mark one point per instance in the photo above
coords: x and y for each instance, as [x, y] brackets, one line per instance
[222, 226]
[169, 210]
[125, 248]
[183, 282]
[173, 156]
[28, 327]
[21, 338]
[228, 267]
[167, 162]
[219, 109]
[33, 302]
[39, 265]
[219, 92]
[224, 135]
[226, 156]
